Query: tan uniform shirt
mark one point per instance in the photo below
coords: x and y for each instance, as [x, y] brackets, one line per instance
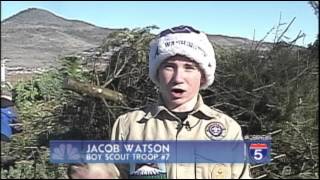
[158, 123]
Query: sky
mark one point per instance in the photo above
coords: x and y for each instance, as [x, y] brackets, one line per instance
[249, 19]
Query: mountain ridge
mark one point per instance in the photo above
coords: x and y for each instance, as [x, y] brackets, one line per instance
[37, 38]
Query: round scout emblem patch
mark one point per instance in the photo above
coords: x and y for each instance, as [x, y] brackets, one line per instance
[216, 130]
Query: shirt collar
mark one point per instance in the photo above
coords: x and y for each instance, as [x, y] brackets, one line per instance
[201, 110]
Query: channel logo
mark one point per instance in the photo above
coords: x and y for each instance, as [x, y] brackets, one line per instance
[259, 153]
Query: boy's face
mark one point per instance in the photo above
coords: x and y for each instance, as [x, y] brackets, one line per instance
[180, 80]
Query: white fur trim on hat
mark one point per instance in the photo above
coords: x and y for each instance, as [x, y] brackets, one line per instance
[195, 46]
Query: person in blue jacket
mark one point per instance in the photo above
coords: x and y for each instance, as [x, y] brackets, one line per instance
[9, 118]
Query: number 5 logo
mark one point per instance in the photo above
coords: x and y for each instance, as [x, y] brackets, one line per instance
[258, 153]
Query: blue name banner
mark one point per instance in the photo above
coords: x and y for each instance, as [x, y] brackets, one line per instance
[72, 151]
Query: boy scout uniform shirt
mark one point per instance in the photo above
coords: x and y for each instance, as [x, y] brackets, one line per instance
[158, 123]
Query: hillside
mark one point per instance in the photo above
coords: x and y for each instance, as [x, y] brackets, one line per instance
[36, 38]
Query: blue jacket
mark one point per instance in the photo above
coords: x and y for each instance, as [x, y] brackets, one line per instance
[8, 116]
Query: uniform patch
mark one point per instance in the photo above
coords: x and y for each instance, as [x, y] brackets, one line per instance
[216, 130]
[148, 171]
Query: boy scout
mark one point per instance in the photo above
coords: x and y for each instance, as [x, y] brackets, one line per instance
[181, 62]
